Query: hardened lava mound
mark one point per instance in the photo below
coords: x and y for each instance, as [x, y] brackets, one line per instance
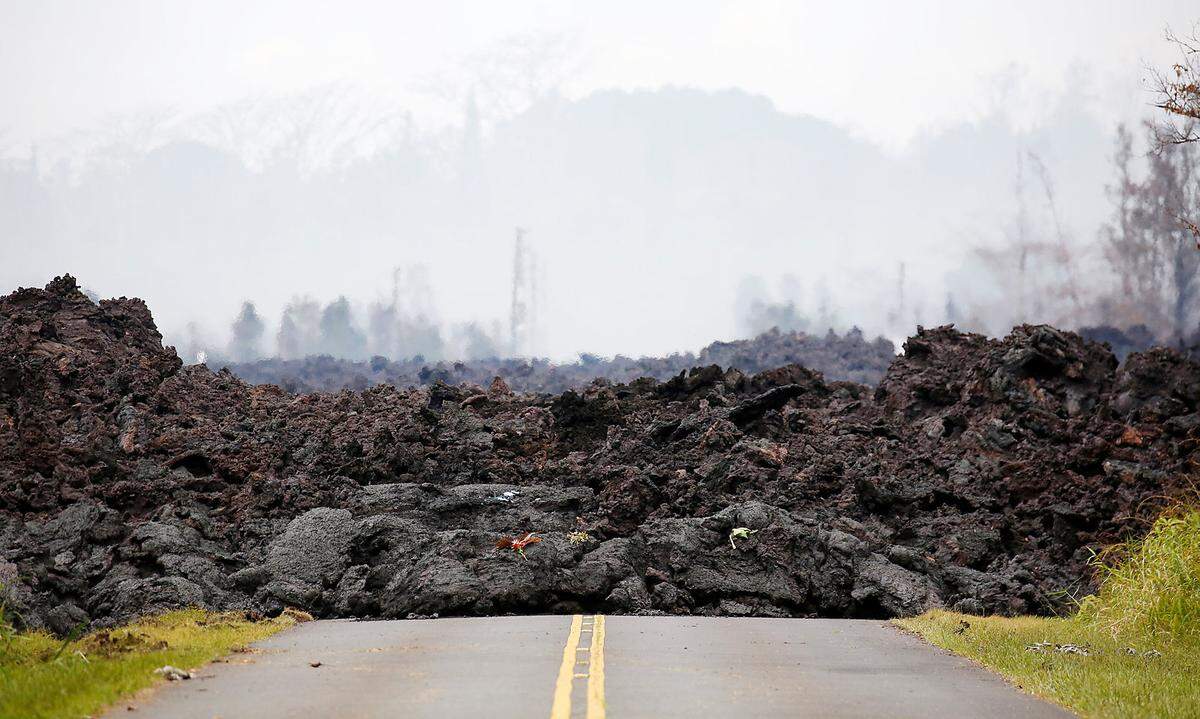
[977, 475]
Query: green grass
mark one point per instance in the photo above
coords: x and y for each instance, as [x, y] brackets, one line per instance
[43, 676]
[1149, 599]
[1151, 587]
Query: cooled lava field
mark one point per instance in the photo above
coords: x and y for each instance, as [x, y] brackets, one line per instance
[978, 474]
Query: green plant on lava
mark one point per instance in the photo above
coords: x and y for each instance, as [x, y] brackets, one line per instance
[740, 533]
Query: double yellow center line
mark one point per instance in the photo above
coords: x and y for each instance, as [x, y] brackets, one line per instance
[580, 663]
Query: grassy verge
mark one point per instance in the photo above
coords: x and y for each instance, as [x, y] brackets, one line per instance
[1132, 650]
[41, 676]
[1109, 682]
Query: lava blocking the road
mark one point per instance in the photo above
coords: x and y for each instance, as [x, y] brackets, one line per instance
[978, 475]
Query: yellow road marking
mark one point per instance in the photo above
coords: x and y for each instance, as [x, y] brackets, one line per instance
[594, 662]
[561, 708]
[595, 687]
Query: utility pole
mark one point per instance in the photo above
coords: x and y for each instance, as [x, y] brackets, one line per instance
[518, 330]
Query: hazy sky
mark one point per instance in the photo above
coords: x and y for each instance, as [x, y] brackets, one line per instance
[887, 69]
[698, 143]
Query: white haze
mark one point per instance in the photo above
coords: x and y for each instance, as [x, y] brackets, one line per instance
[669, 160]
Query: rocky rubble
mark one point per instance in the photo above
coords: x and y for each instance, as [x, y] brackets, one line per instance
[978, 476]
[849, 357]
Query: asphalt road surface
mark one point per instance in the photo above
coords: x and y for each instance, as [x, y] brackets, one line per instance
[590, 667]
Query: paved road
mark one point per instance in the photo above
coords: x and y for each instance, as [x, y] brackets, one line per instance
[591, 667]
